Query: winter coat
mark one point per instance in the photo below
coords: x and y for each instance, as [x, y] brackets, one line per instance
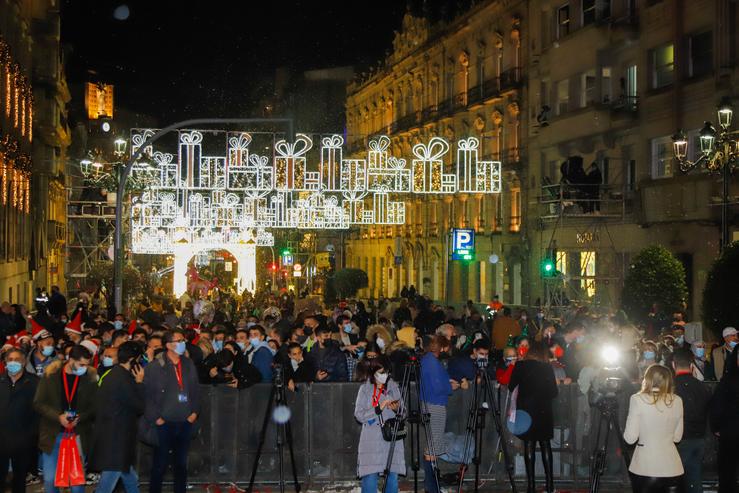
[330, 359]
[696, 397]
[18, 421]
[537, 388]
[120, 402]
[436, 385]
[724, 408]
[48, 404]
[373, 449]
[162, 390]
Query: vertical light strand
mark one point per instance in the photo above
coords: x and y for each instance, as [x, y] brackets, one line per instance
[16, 90]
[8, 90]
[23, 111]
[30, 117]
[28, 193]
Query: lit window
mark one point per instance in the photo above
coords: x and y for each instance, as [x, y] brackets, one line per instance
[587, 88]
[663, 65]
[587, 273]
[563, 96]
[562, 262]
[662, 157]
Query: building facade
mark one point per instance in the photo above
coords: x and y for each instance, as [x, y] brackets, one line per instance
[609, 82]
[34, 137]
[454, 80]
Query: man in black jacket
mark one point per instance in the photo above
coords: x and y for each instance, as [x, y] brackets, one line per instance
[326, 357]
[120, 402]
[18, 421]
[723, 415]
[172, 405]
[695, 397]
[299, 370]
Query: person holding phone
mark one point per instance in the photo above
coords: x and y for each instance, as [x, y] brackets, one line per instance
[120, 402]
[378, 400]
[65, 400]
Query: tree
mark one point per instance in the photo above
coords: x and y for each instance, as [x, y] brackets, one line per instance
[101, 274]
[654, 276]
[721, 293]
[348, 281]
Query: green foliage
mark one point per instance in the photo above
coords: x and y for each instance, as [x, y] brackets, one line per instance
[654, 276]
[721, 293]
[101, 274]
[348, 281]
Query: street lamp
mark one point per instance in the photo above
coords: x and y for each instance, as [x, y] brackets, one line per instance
[719, 154]
[120, 146]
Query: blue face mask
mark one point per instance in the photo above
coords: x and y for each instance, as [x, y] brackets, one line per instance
[732, 344]
[47, 350]
[255, 342]
[241, 345]
[649, 355]
[13, 367]
[80, 371]
[699, 352]
[107, 361]
[680, 339]
[580, 339]
[118, 324]
[218, 346]
[180, 348]
[348, 328]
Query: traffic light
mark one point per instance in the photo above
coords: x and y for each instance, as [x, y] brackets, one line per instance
[273, 266]
[285, 251]
[547, 267]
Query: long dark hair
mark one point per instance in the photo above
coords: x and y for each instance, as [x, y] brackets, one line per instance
[368, 366]
[538, 351]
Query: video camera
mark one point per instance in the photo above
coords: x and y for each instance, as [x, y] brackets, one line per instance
[278, 375]
[609, 383]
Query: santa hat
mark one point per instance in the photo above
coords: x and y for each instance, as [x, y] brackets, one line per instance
[90, 346]
[22, 335]
[75, 326]
[132, 327]
[10, 343]
[39, 331]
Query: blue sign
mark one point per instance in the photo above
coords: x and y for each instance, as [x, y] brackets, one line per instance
[463, 244]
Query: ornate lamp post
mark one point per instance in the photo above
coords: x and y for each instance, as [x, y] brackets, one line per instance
[719, 153]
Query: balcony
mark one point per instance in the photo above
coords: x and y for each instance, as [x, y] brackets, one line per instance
[511, 79]
[628, 105]
[56, 232]
[582, 202]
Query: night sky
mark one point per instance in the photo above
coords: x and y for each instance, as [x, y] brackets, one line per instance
[175, 60]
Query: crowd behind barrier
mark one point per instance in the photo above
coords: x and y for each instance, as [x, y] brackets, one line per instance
[326, 434]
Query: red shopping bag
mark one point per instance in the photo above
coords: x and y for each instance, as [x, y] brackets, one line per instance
[69, 470]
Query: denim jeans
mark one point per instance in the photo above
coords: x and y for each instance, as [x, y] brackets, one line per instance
[49, 465]
[108, 480]
[173, 437]
[691, 452]
[370, 481]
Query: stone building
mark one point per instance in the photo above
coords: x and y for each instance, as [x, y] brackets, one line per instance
[457, 79]
[609, 83]
[33, 141]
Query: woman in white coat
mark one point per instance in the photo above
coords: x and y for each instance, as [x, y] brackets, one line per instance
[655, 425]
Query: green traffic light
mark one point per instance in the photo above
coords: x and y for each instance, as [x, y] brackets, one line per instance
[547, 268]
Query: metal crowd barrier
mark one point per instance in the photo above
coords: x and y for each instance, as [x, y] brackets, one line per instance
[326, 436]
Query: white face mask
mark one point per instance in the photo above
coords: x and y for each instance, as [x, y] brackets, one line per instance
[381, 377]
[380, 343]
[294, 364]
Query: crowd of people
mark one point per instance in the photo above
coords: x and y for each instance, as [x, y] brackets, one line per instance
[138, 378]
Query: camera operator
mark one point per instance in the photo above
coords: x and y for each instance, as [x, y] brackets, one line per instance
[377, 402]
[463, 367]
[655, 425]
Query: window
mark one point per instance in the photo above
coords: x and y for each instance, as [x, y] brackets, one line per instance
[515, 224]
[588, 12]
[587, 273]
[587, 88]
[563, 21]
[563, 96]
[605, 84]
[561, 263]
[662, 157]
[631, 87]
[631, 175]
[700, 50]
[663, 65]
[606, 170]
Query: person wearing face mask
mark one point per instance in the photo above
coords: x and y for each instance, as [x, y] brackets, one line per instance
[229, 370]
[721, 354]
[172, 406]
[17, 420]
[463, 367]
[378, 399]
[219, 338]
[65, 400]
[648, 357]
[437, 388]
[44, 353]
[572, 339]
[506, 365]
[327, 358]
[259, 353]
[300, 369]
[697, 350]
[722, 418]
[120, 402]
[107, 361]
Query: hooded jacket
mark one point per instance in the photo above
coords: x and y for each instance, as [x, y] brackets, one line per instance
[48, 404]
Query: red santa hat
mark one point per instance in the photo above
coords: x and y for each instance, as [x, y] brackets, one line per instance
[23, 334]
[10, 343]
[132, 327]
[90, 345]
[75, 326]
[38, 331]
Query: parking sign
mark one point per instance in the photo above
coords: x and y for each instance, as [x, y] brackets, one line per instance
[463, 244]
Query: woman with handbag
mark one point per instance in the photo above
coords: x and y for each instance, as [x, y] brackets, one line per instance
[378, 401]
[655, 425]
[534, 379]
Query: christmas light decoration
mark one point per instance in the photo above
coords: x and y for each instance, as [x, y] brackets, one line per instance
[196, 201]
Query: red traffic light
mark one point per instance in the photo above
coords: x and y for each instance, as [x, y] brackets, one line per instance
[273, 266]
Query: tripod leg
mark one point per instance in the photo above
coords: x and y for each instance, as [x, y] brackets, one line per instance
[510, 468]
[289, 433]
[262, 438]
[470, 435]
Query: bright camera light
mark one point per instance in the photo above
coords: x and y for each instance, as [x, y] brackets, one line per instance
[610, 355]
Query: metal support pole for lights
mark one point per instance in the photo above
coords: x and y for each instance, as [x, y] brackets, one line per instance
[126, 171]
[719, 152]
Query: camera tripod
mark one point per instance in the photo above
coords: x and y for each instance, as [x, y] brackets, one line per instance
[608, 416]
[418, 415]
[483, 399]
[283, 433]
